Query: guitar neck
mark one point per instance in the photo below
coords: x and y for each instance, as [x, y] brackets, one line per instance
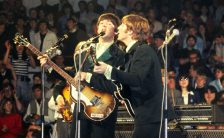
[93, 56]
[54, 66]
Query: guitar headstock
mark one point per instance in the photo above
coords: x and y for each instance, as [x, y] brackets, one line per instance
[20, 40]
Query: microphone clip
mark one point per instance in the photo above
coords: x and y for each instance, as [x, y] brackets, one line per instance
[54, 50]
[92, 40]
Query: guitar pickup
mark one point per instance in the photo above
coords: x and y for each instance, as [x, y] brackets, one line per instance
[95, 100]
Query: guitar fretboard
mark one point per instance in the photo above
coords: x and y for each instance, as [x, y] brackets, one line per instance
[54, 66]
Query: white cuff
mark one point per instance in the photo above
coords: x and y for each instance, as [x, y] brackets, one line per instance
[108, 72]
[88, 77]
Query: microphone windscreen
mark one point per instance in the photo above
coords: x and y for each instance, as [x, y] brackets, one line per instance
[65, 36]
[102, 33]
[176, 32]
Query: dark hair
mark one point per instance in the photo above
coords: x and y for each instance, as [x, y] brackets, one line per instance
[222, 79]
[191, 36]
[195, 51]
[43, 21]
[36, 133]
[36, 86]
[219, 66]
[8, 85]
[3, 103]
[15, 53]
[183, 75]
[72, 19]
[110, 16]
[211, 88]
[37, 75]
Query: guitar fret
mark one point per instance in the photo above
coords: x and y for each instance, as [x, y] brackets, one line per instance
[53, 65]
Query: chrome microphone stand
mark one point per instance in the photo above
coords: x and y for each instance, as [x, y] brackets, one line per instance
[78, 122]
[168, 38]
[42, 101]
[165, 89]
[78, 107]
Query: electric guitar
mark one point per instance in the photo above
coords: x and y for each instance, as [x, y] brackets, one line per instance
[97, 105]
[118, 93]
[124, 100]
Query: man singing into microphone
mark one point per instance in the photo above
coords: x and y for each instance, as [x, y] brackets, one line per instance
[107, 50]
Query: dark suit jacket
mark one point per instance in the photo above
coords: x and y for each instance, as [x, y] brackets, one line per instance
[113, 56]
[142, 76]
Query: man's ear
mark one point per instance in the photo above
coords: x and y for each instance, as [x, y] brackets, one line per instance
[130, 32]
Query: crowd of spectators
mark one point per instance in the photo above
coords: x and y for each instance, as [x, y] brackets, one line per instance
[195, 57]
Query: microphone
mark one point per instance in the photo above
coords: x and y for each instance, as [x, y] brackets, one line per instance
[53, 51]
[65, 36]
[172, 20]
[171, 27]
[96, 37]
[175, 33]
[91, 40]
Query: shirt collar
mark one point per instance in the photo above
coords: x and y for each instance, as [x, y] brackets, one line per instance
[129, 46]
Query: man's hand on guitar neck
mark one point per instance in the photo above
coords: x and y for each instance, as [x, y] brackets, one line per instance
[43, 60]
[81, 76]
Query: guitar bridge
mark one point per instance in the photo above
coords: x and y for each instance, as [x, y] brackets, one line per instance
[96, 100]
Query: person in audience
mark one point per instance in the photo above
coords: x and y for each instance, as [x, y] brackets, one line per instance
[7, 75]
[33, 112]
[200, 86]
[173, 94]
[20, 60]
[219, 73]
[210, 95]
[66, 13]
[193, 41]
[151, 15]
[32, 29]
[10, 120]
[9, 93]
[44, 38]
[159, 39]
[4, 36]
[75, 35]
[183, 61]
[184, 87]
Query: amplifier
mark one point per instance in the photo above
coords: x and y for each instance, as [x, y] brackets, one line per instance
[123, 116]
[124, 124]
[199, 114]
[195, 133]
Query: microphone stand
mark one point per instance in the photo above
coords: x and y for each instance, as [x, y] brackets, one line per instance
[42, 101]
[78, 122]
[168, 38]
[165, 88]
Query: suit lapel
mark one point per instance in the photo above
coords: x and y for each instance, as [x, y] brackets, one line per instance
[129, 55]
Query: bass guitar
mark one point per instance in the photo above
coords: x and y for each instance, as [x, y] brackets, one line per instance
[97, 105]
[118, 93]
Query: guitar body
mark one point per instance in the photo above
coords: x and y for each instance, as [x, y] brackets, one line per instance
[66, 111]
[98, 105]
[126, 102]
